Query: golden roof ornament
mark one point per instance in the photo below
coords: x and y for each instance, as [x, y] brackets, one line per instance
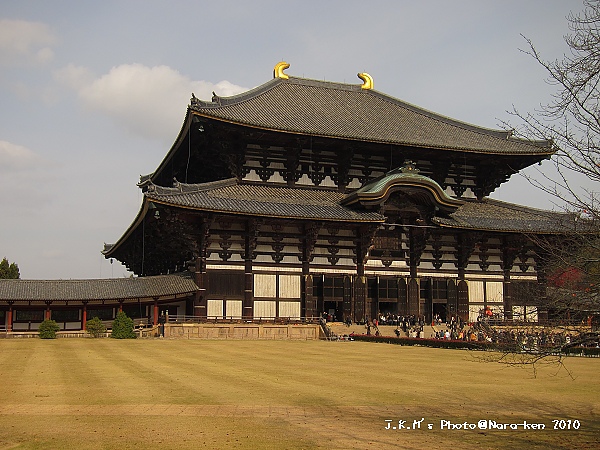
[409, 167]
[278, 70]
[367, 80]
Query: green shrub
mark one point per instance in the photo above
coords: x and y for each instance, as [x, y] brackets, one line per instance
[95, 327]
[122, 327]
[48, 329]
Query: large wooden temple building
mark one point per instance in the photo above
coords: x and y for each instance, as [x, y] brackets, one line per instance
[300, 197]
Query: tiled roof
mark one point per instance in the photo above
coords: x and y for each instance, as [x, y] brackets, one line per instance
[228, 196]
[96, 289]
[494, 215]
[320, 108]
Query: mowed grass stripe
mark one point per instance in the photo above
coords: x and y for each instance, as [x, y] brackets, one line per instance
[214, 372]
[272, 394]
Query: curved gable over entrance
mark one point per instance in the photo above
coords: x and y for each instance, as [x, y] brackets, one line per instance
[406, 187]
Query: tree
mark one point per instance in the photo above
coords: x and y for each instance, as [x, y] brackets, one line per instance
[571, 119]
[48, 329]
[122, 327]
[95, 327]
[8, 271]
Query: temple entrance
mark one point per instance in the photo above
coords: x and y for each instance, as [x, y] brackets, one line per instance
[388, 308]
[434, 298]
[330, 291]
[383, 293]
[334, 310]
[440, 310]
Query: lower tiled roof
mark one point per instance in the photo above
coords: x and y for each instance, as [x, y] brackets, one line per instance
[175, 285]
[227, 196]
[494, 215]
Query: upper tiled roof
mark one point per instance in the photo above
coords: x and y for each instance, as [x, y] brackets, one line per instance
[320, 108]
[175, 285]
[494, 215]
[228, 196]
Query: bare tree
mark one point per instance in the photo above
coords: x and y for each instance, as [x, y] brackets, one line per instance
[572, 261]
[572, 118]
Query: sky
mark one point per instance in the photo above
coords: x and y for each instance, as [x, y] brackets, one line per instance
[93, 94]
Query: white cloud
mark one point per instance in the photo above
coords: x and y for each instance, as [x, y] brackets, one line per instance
[149, 101]
[15, 157]
[25, 42]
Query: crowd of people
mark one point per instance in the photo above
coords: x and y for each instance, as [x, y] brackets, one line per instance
[527, 339]
[455, 329]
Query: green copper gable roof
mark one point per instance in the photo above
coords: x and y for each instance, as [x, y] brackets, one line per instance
[377, 191]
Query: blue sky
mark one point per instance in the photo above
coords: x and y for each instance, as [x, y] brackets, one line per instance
[94, 93]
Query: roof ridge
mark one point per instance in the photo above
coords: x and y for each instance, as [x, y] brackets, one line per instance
[218, 101]
[185, 188]
[196, 104]
[149, 278]
[523, 208]
[326, 84]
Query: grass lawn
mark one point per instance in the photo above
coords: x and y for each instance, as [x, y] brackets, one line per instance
[175, 394]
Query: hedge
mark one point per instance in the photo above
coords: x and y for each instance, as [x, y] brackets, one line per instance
[465, 345]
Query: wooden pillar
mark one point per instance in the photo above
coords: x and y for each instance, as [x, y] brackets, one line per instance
[452, 300]
[427, 309]
[248, 305]
[200, 275]
[360, 297]
[155, 313]
[365, 235]
[511, 246]
[309, 303]
[9, 317]
[463, 300]
[413, 297]
[348, 295]
[402, 297]
[417, 239]
[201, 280]
[250, 238]
[48, 314]
[507, 296]
[84, 316]
[121, 306]
[360, 284]
[542, 296]
[371, 304]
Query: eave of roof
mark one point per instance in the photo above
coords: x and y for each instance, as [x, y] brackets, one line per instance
[336, 110]
[175, 285]
[230, 197]
[498, 216]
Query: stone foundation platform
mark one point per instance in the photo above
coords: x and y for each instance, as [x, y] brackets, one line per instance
[299, 332]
